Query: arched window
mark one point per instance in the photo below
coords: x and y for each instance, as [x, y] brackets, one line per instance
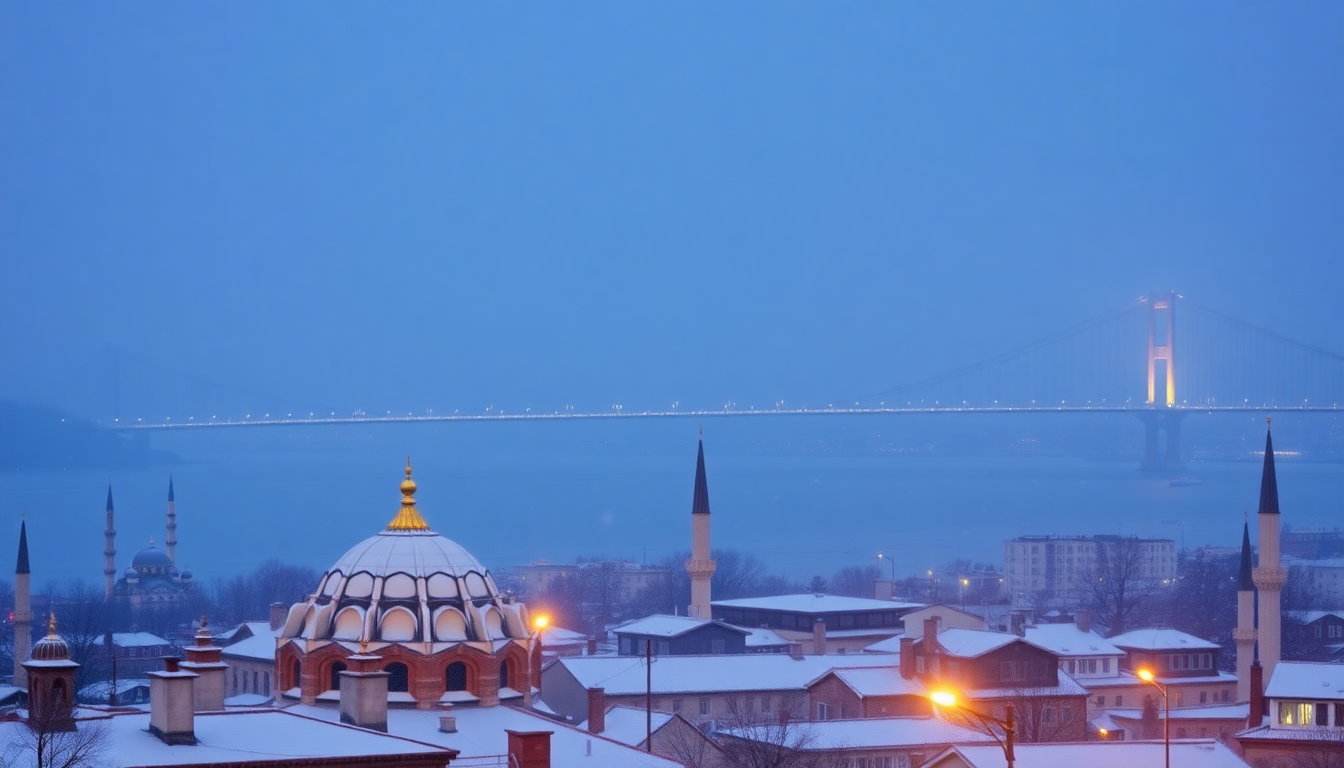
[59, 693]
[456, 676]
[400, 679]
[504, 674]
[297, 671]
[336, 670]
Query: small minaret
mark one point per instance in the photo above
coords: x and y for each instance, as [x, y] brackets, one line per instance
[1270, 576]
[700, 567]
[109, 550]
[1244, 633]
[23, 610]
[170, 540]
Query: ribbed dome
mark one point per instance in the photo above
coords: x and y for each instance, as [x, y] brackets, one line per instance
[52, 647]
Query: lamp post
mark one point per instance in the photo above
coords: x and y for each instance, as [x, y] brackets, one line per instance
[880, 558]
[1147, 676]
[1008, 723]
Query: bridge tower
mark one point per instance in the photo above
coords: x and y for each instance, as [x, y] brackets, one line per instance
[1162, 422]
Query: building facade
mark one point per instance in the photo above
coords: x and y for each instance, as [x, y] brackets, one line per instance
[1038, 570]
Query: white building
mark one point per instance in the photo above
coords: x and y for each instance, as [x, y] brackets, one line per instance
[1041, 569]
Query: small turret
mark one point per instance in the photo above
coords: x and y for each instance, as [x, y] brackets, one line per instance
[170, 540]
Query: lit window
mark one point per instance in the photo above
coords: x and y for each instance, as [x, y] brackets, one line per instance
[1296, 713]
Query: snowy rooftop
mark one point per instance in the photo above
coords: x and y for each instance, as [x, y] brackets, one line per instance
[1308, 617]
[1129, 678]
[237, 737]
[260, 646]
[661, 625]
[890, 645]
[816, 604]
[879, 681]
[480, 733]
[1187, 753]
[625, 675]
[764, 638]
[1065, 686]
[553, 636]
[1161, 640]
[969, 643]
[1308, 680]
[1315, 734]
[1067, 640]
[629, 725]
[875, 733]
[1215, 712]
[137, 639]
[102, 689]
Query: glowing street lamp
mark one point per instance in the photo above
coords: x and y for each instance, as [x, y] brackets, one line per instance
[1147, 676]
[541, 622]
[1008, 723]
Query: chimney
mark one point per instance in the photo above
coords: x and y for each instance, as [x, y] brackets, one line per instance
[278, 614]
[529, 749]
[172, 713]
[907, 657]
[819, 636]
[448, 721]
[203, 658]
[931, 625]
[796, 649]
[1083, 620]
[1257, 716]
[592, 646]
[597, 710]
[364, 693]
[1017, 623]
[884, 590]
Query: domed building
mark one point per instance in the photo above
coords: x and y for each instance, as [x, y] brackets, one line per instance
[153, 579]
[431, 611]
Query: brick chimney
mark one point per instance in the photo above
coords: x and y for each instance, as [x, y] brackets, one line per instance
[907, 657]
[597, 710]
[931, 625]
[364, 693]
[819, 636]
[1083, 620]
[172, 711]
[529, 749]
[203, 658]
[278, 614]
[796, 649]
[1257, 716]
[592, 646]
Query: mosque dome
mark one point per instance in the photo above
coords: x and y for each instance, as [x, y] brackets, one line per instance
[151, 558]
[52, 647]
[386, 586]
[131, 573]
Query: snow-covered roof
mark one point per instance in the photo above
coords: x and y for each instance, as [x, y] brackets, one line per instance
[890, 645]
[260, 646]
[137, 639]
[236, 737]
[1187, 753]
[1064, 686]
[815, 604]
[1312, 681]
[625, 675]
[969, 643]
[1213, 712]
[764, 638]
[1068, 641]
[1313, 734]
[870, 733]
[661, 625]
[1127, 678]
[878, 681]
[480, 733]
[553, 636]
[1161, 640]
[1307, 617]
[102, 689]
[629, 725]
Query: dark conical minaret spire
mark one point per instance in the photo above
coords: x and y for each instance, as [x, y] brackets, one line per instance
[109, 549]
[1244, 582]
[22, 566]
[1244, 633]
[1269, 484]
[23, 611]
[700, 501]
[170, 540]
[109, 497]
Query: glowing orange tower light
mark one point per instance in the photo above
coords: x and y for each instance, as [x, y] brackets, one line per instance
[1165, 352]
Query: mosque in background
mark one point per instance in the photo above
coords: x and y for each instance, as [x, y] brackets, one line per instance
[153, 579]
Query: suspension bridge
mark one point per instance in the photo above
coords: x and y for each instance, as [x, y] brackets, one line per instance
[1129, 360]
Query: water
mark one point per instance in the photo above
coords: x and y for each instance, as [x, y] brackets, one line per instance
[806, 499]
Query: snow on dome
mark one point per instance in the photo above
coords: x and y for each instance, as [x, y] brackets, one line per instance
[52, 647]
[407, 583]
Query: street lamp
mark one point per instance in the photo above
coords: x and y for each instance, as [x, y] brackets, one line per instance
[1146, 675]
[1008, 723]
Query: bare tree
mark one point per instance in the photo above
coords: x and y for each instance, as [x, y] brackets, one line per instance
[855, 581]
[1203, 599]
[1121, 590]
[52, 740]
[771, 739]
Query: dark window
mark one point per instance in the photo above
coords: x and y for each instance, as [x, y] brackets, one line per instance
[336, 670]
[1322, 712]
[400, 680]
[456, 676]
[298, 675]
[504, 674]
[266, 679]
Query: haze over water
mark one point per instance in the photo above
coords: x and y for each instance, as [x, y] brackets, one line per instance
[805, 496]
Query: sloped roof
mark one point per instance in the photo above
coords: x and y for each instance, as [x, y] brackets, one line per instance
[1067, 640]
[1064, 686]
[1309, 680]
[625, 675]
[629, 725]
[1188, 753]
[878, 681]
[816, 603]
[969, 643]
[661, 625]
[872, 733]
[1152, 639]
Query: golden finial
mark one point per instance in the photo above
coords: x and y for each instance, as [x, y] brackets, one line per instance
[1269, 419]
[363, 647]
[408, 519]
[51, 625]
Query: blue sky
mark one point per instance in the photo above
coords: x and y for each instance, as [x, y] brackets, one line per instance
[454, 205]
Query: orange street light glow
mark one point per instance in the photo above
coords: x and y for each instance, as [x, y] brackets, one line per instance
[541, 622]
[1146, 675]
[944, 698]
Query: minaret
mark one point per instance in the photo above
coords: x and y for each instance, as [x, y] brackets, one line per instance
[110, 550]
[23, 611]
[1270, 576]
[700, 567]
[170, 541]
[1244, 633]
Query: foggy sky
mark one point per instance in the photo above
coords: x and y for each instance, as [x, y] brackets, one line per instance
[431, 205]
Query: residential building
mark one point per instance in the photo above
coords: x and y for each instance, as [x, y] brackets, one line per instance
[1316, 636]
[1039, 570]
[1194, 753]
[679, 636]
[1303, 720]
[823, 623]
[889, 742]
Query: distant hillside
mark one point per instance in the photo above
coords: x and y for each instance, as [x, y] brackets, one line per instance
[41, 437]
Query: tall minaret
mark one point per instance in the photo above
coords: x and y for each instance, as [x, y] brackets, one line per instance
[700, 567]
[109, 551]
[170, 541]
[23, 611]
[1270, 576]
[1244, 633]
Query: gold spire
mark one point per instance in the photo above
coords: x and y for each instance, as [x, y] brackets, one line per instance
[408, 518]
[51, 625]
